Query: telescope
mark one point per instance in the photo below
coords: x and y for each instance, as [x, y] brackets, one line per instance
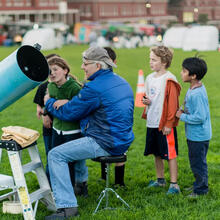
[21, 72]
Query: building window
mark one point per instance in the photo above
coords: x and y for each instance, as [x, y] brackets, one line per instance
[108, 10]
[188, 17]
[139, 10]
[53, 2]
[126, 10]
[157, 10]
[28, 3]
[43, 3]
[18, 3]
[82, 10]
[8, 3]
[88, 11]
[48, 2]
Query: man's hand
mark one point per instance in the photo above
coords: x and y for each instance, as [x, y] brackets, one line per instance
[179, 113]
[47, 122]
[146, 100]
[166, 130]
[59, 103]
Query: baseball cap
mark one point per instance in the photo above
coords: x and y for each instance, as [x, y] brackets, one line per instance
[98, 54]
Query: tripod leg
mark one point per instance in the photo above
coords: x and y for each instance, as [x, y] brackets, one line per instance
[119, 197]
[103, 192]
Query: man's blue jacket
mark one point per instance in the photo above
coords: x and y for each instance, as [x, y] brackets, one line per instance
[105, 108]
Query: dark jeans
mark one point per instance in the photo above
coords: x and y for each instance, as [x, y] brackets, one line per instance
[197, 158]
[58, 139]
[48, 146]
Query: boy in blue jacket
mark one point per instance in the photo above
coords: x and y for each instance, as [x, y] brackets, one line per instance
[196, 116]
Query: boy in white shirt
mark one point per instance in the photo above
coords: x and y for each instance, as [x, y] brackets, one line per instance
[161, 100]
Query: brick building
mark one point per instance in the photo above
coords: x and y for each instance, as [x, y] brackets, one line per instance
[189, 10]
[94, 10]
[37, 11]
[71, 11]
[154, 11]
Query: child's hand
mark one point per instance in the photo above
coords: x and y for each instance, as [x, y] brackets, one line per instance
[46, 97]
[47, 122]
[166, 130]
[179, 113]
[146, 100]
[59, 103]
[40, 111]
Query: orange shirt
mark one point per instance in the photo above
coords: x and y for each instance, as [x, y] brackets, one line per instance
[170, 105]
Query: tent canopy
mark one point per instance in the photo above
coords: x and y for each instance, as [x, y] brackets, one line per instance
[201, 38]
[46, 37]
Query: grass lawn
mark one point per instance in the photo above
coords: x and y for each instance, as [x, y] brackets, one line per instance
[145, 203]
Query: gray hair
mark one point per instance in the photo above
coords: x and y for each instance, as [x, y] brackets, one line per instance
[99, 55]
[104, 65]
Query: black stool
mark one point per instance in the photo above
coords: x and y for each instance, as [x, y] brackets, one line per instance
[108, 160]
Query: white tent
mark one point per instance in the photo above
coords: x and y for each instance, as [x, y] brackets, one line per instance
[173, 37]
[46, 37]
[201, 38]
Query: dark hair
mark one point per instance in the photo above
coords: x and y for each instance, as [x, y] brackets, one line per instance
[64, 65]
[59, 62]
[51, 55]
[195, 65]
[111, 53]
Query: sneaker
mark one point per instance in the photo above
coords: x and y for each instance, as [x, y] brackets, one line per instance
[153, 183]
[81, 189]
[64, 213]
[173, 189]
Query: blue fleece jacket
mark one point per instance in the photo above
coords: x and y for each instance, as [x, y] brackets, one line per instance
[104, 107]
[197, 115]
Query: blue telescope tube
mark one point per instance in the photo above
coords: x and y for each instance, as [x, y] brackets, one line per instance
[21, 72]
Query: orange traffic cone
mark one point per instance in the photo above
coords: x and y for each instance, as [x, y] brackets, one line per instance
[140, 90]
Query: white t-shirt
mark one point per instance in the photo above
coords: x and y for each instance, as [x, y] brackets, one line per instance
[154, 110]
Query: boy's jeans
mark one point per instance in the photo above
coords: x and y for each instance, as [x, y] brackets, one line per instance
[197, 157]
[77, 150]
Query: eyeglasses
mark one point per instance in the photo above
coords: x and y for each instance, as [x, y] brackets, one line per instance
[86, 64]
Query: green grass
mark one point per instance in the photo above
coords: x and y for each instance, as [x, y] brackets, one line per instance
[145, 203]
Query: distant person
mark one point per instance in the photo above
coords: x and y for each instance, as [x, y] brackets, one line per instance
[196, 115]
[106, 130]
[47, 119]
[161, 100]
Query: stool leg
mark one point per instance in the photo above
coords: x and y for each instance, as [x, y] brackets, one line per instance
[105, 192]
[119, 197]
[102, 195]
[119, 175]
[107, 182]
[103, 172]
[0, 154]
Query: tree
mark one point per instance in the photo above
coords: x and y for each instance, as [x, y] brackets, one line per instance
[203, 18]
[174, 2]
